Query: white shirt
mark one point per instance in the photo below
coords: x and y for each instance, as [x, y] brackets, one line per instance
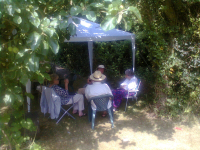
[97, 89]
[130, 84]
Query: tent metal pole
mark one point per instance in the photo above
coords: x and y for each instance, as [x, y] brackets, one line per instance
[90, 51]
[28, 90]
[133, 50]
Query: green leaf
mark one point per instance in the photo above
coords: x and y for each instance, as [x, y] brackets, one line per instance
[63, 25]
[85, 12]
[40, 78]
[97, 5]
[24, 78]
[17, 9]
[19, 98]
[45, 22]
[5, 117]
[116, 4]
[21, 53]
[45, 48]
[75, 10]
[10, 10]
[72, 29]
[15, 128]
[29, 95]
[17, 19]
[27, 124]
[49, 31]
[34, 19]
[136, 12]
[54, 45]
[91, 16]
[46, 75]
[33, 63]
[109, 23]
[34, 40]
[54, 22]
[25, 25]
[119, 18]
[129, 25]
[8, 98]
[17, 89]
[67, 36]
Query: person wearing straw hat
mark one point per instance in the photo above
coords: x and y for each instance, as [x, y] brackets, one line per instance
[97, 88]
[101, 68]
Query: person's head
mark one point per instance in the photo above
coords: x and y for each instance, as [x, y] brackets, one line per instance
[101, 68]
[129, 73]
[54, 79]
[97, 76]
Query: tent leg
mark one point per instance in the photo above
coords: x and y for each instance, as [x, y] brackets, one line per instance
[90, 51]
[28, 90]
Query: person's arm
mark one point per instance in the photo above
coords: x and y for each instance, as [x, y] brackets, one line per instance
[66, 84]
[124, 84]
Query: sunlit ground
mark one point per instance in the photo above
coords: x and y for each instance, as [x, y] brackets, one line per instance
[134, 129]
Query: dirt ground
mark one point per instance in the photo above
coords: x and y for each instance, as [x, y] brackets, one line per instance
[134, 129]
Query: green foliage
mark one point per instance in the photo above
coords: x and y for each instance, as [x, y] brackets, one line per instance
[31, 33]
[116, 56]
[168, 43]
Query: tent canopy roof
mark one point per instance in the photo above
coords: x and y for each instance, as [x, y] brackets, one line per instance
[90, 31]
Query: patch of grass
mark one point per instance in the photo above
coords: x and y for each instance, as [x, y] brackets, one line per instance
[134, 129]
[137, 128]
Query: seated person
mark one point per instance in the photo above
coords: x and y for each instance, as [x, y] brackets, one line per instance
[97, 88]
[65, 97]
[101, 68]
[130, 83]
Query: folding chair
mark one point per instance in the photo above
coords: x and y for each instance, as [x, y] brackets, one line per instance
[66, 111]
[54, 105]
[134, 95]
[101, 103]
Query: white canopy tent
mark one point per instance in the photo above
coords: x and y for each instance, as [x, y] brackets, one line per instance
[90, 32]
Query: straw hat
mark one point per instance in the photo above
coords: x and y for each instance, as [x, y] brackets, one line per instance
[97, 76]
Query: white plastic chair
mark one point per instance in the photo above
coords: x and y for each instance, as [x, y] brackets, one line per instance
[101, 103]
[132, 91]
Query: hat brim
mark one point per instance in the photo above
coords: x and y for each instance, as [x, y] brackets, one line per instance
[97, 79]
